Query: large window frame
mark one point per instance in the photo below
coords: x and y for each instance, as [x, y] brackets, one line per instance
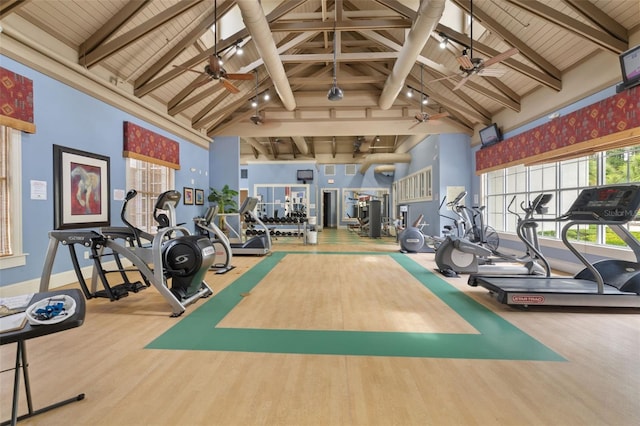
[149, 180]
[564, 180]
[11, 193]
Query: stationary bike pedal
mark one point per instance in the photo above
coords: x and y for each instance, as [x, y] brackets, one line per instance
[135, 287]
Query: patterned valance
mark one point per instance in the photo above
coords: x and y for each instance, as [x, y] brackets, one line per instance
[143, 144]
[16, 101]
[611, 123]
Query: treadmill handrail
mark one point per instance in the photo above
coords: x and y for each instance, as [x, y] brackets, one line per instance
[589, 265]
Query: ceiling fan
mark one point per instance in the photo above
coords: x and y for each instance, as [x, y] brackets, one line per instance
[470, 66]
[214, 70]
[422, 116]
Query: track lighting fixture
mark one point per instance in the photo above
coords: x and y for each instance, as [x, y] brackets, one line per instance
[254, 103]
[266, 96]
[410, 92]
[239, 49]
[443, 42]
[425, 100]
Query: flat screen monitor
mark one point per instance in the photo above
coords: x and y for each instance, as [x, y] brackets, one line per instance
[490, 135]
[630, 65]
[305, 175]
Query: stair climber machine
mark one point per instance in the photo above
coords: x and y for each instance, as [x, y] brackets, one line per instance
[461, 255]
[605, 283]
[220, 241]
[172, 254]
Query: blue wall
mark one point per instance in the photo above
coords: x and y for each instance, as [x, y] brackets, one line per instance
[65, 116]
[285, 173]
[450, 160]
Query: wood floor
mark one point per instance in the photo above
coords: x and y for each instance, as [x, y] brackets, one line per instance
[126, 384]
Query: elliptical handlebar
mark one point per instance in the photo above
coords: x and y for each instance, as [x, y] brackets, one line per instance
[131, 194]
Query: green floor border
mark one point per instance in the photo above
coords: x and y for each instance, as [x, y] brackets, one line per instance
[497, 338]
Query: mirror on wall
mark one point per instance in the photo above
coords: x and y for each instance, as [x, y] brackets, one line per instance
[354, 201]
[277, 201]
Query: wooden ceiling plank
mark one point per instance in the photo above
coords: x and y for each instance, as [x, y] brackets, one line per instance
[191, 38]
[108, 49]
[600, 19]
[600, 38]
[510, 38]
[11, 6]
[275, 14]
[540, 77]
[116, 22]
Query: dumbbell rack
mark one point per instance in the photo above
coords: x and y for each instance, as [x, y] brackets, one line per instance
[281, 227]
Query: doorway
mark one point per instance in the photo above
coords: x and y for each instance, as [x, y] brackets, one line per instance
[330, 208]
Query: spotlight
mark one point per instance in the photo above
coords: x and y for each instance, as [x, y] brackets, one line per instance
[443, 43]
[239, 50]
[425, 100]
[266, 96]
[254, 103]
[409, 93]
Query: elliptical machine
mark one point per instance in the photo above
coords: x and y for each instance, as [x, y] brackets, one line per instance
[220, 242]
[185, 258]
[173, 254]
[459, 255]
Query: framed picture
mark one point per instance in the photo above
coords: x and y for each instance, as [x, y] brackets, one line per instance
[80, 189]
[187, 195]
[199, 197]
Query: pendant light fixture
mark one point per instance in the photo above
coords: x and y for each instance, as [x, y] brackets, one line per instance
[335, 93]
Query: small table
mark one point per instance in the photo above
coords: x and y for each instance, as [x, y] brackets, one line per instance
[30, 332]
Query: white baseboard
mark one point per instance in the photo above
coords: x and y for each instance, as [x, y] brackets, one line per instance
[60, 279]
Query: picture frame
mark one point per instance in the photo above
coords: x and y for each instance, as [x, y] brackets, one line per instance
[187, 196]
[199, 197]
[81, 187]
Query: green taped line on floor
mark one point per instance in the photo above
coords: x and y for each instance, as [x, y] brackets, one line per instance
[497, 338]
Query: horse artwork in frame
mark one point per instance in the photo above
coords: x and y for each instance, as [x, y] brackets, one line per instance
[80, 189]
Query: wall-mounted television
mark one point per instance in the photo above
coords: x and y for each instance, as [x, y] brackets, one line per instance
[305, 175]
[630, 67]
[490, 135]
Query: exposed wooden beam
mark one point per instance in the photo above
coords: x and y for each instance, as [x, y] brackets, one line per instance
[600, 38]
[509, 38]
[105, 50]
[537, 75]
[350, 25]
[342, 57]
[148, 87]
[191, 38]
[600, 19]
[117, 21]
[11, 6]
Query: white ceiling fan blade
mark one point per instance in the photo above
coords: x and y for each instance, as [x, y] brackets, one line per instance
[492, 72]
[462, 82]
[449, 77]
[500, 57]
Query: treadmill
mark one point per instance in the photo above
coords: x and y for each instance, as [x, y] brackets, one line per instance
[605, 283]
[258, 245]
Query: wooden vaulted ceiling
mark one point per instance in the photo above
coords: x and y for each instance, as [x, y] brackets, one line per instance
[151, 48]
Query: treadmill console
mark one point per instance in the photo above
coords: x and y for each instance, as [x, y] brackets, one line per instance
[617, 203]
